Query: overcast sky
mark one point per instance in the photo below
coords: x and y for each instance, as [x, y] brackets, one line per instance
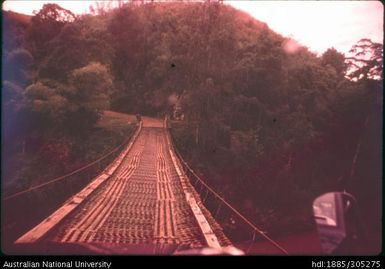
[317, 25]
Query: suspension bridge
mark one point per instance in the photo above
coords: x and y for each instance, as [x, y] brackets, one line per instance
[147, 200]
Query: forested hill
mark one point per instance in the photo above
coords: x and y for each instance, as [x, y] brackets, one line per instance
[268, 122]
[17, 19]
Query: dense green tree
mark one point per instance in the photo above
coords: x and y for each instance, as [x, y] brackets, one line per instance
[76, 45]
[91, 87]
[46, 104]
[45, 25]
[18, 62]
[335, 59]
[366, 61]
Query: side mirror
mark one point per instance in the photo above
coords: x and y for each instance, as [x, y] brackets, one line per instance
[335, 216]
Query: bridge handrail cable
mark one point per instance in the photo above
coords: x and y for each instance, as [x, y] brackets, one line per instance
[255, 228]
[69, 174]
